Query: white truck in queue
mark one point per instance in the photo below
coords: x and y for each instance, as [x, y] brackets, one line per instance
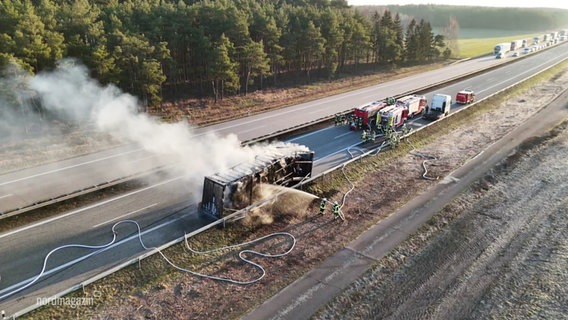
[439, 107]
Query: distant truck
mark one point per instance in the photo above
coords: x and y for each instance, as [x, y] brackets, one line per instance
[414, 104]
[439, 107]
[465, 97]
[502, 48]
[516, 44]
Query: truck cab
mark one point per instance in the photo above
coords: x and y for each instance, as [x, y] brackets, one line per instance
[440, 107]
[392, 116]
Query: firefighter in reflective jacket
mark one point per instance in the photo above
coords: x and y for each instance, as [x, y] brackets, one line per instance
[335, 209]
[364, 136]
[322, 205]
[359, 122]
[337, 119]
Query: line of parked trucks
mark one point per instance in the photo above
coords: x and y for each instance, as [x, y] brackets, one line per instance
[538, 42]
[393, 113]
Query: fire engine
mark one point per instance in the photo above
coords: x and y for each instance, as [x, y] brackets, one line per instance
[414, 104]
[465, 97]
[393, 116]
[368, 111]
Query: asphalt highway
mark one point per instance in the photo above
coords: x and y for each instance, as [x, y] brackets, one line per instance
[164, 209]
[33, 187]
[335, 145]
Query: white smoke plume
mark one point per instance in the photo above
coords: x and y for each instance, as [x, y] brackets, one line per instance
[68, 90]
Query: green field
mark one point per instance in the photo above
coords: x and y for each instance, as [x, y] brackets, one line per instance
[475, 42]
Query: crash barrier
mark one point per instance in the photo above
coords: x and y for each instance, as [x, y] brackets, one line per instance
[263, 138]
[420, 90]
[241, 213]
[81, 192]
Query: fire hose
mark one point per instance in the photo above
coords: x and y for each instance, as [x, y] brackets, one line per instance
[423, 155]
[114, 238]
[241, 253]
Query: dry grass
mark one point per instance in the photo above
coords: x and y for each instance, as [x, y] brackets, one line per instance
[201, 112]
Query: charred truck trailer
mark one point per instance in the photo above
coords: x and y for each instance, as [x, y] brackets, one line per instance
[231, 190]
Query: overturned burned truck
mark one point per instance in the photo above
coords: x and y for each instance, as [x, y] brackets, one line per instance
[231, 190]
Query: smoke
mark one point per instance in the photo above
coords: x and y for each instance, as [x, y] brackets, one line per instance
[69, 92]
[279, 202]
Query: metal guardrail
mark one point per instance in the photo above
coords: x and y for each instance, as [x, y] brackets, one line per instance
[396, 96]
[247, 209]
[262, 138]
[80, 192]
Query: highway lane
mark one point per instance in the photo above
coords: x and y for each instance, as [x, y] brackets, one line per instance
[30, 187]
[326, 141]
[22, 251]
[24, 188]
[166, 206]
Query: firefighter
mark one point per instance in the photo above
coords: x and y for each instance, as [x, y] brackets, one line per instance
[387, 131]
[336, 119]
[373, 135]
[323, 202]
[394, 139]
[364, 136]
[343, 119]
[335, 209]
[359, 123]
[405, 129]
[380, 128]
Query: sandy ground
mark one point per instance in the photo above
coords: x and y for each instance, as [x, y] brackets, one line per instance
[498, 251]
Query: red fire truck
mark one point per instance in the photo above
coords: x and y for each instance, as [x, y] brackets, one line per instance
[393, 116]
[414, 104]
[368, 111]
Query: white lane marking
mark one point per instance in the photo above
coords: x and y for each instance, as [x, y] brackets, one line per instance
[125, 215]
[68, 167]
[251, 129]
[86, 208]
[6, 196]
[309, 134]
[70, 263]
[519, 74]
[338, 151]
[343, 135]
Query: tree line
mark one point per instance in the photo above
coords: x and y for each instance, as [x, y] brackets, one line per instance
[498, 18]
[152, 48]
